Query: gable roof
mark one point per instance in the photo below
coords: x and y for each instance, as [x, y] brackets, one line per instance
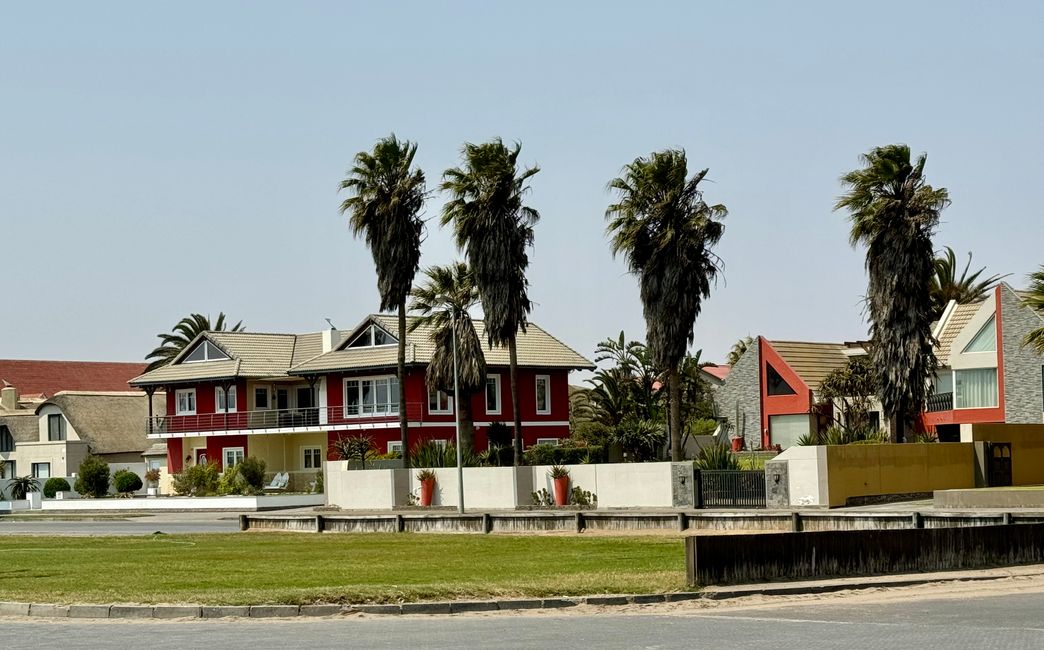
[110, 422]
[959, 317]
[535, 349]
[811, 361]
[47, 378]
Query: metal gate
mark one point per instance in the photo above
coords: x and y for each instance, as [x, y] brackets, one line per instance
[998, 459]
[731, 488]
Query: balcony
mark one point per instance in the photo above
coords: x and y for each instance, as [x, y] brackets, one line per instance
[314, 418]
[939, 402]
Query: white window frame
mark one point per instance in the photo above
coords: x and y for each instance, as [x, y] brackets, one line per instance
[268, 398]
[549, 441]
[228, 397]
[500, 395]
[224, 456]
[177, 401]
[394, 446]
[390, 409]
[306, 456]
[996, 383]
[547, 395]
[440, 409]
[206, 345]
[372, 331]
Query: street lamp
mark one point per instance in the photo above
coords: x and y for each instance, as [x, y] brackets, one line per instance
[456, 423]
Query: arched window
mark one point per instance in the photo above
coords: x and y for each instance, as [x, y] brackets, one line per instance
[6, 439]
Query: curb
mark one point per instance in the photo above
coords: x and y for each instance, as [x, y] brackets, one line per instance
[170, 612]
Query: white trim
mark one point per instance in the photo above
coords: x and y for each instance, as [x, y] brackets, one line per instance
[177, 401]
[500, 394]
[195, 456]
[218, 390]
[392, 407]
[947, 311]
[268, 398]
[547, 394]
[549, 441]
[224, 456]
[447, 410]
[371, 329]
[304, 456]
[324, 428]
[394, 446]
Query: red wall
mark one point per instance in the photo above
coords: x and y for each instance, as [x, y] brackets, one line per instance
[216, 443]
[175, 455]
[797, 404]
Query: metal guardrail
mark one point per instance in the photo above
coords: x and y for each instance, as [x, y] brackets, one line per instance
[277, 418]
[742, 488]
[939, 402]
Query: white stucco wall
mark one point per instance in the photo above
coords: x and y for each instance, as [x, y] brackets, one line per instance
[806, 475]
[360, 489]
[628, 485]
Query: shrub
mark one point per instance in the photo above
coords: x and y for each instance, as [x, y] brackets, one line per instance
[429, 453]
[319, 487]
[198, 480]
[568, 453]
[540, 455]
[426, 475]
[716, 456]
[358, 447]
[557, 471]
[252, 469]
[230, 481]
[126, 481]
[592, 433]
[499, 435]
[580, 497]
[22, 486]
[54, 485]
[92, 478]
[639, 438]
[152, 476]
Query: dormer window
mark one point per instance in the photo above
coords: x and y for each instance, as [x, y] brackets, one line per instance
[205, 351]
[985, 340]
[372, 335]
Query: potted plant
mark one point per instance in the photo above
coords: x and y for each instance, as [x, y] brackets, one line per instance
[427, 490]
[737, 442]
[25, 487]
[152, 477]
[560, 477]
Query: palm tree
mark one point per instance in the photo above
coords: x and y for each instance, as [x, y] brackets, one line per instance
[946, 286]
[667, 232]
[182, 334]
[387, 195]
[495, 230]
[894, 212]
[738, 348]
[442, 300]
[1035, 299]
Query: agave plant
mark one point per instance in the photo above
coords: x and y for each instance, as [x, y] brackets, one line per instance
[21, 486]
[717, 456]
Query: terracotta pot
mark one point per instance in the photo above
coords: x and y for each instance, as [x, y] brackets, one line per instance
[427, 491]
[737, 444]
[562, 491]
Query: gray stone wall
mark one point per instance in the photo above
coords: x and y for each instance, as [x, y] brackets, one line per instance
[1023, 398]
[739, 398]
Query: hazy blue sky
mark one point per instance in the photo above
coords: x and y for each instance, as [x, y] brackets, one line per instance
[162, 158]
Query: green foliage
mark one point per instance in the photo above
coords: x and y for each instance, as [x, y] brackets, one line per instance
[716, 456]
[54, 485]
[557, 471]
[946, 286]
[182, 334]
[592, 433]
[428, 453]
[231, 482]
[358, 447]
[126, 481]
[252, 469]
[498, 434]
[702, 426]
[738, 349]
[319, 483]
[21, 486]
[852, 388]
[197, 480]
[426, 475]
[542, 498]
[925, 437]
[838, 435]
[152, 476]
[640, 439]
[564, 454]
[580, 497]
[1034, 299]
[92, 478]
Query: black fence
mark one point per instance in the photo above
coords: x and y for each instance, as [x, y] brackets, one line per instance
[939, 402]
[731, 488]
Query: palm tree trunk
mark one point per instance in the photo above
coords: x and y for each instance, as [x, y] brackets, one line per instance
[674, 386]
[516, 414]
[467, 423]
[403, 426]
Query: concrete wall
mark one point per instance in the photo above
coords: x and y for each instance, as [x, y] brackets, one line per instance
[1023, 398]
[738, 399]
[366, 489]
[1027, 447]
[806, 475]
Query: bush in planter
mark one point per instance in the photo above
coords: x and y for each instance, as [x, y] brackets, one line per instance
[92, 478]
[55, 485]
[126, 481]
[198, 480]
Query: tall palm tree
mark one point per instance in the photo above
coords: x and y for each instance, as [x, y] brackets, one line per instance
[386, 197]
[1034, 298]
[946, 286]
[738, 348]
[443, 299]
[495, 230]
[894, 212]
[667, 232]
[182, 334]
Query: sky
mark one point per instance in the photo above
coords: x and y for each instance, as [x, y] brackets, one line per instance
[164, 158]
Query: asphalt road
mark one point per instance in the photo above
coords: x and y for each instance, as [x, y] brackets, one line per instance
[173, 522]
[1008, 621]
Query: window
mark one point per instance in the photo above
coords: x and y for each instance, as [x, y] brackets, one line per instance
[225, 401]
[8, 470]
[439, 401]
[373, 335]
[260, 398]
[205, 351]
[368, 396]
[232, 455]
[944, 382]
[493, 394]
[395, 447]
[6, 439]
[55, 430]
[986, 339]
[313, 458]
[775, 384]
[548, 441]
[786, 430]
[975, 388]
[186, 401]
[543, 394]
[41, 470]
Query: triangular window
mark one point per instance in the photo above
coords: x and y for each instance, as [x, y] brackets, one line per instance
[372, 335]
[205, 351]
[776, 384]
[986, 339]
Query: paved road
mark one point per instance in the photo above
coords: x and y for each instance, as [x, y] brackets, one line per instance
[173, 522]
[1008, 621]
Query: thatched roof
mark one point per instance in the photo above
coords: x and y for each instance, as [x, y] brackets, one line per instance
[109, 422]
[23, 425]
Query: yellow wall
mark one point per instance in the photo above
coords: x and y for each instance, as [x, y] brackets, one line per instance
[869, 470]
[1027, 448]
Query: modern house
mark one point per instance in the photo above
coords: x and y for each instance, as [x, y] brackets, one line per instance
[771, 395]
[986, 374]
[287, 397]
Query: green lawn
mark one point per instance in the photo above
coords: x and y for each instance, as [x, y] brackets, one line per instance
[250, 568]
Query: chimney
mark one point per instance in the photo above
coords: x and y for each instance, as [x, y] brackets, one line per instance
[331, 339]
[9, 398]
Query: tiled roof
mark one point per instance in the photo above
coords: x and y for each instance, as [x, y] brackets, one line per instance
[184, 372]
[307, 347]
[46, 378]
[960, 316]
[716, 371]
[536, 349]
[811, 361]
